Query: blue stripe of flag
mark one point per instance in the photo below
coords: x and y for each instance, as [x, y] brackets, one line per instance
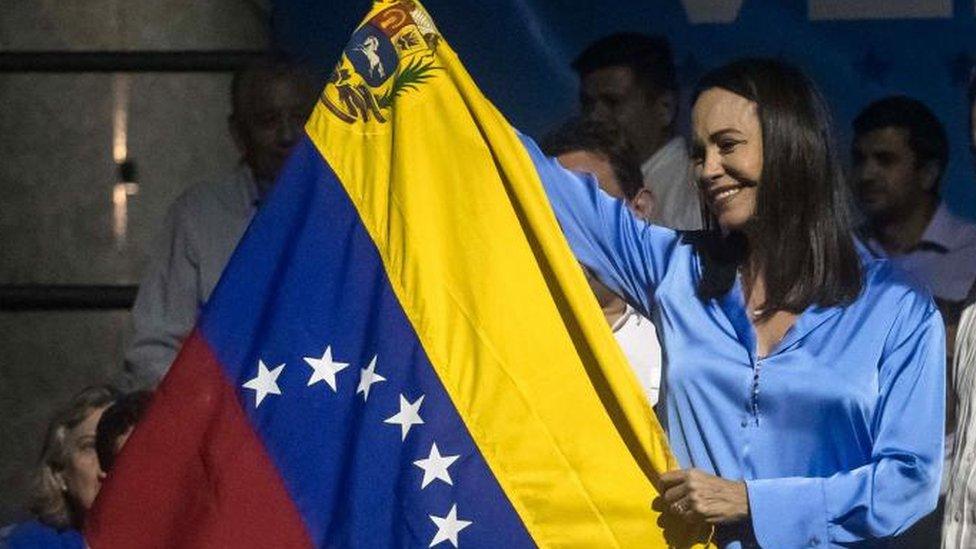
[306, 277]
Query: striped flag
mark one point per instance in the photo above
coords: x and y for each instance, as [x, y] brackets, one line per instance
[402, 351]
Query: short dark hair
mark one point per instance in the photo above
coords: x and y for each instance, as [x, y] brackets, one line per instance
[116, 420]
[802, 238]
[926, 135]
[271, 66]
[648, 56]
[604, 138]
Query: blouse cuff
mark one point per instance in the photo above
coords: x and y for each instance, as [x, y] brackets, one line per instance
[788, 512]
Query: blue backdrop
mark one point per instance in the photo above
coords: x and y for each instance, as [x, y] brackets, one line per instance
[857, 50]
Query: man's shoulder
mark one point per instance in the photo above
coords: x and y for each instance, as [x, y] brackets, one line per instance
[668, 175]
[960, 231]
[673, 155]
[230, 193]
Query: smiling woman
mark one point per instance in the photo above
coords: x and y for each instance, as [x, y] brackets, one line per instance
[731, 142]
[803, 379]
[766, 165]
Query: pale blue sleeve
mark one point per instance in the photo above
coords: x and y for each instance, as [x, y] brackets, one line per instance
[626, 253]
[900, 484]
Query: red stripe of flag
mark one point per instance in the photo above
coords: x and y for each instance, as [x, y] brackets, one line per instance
[195, 473]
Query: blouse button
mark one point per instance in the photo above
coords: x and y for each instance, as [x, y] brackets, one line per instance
[744, 423]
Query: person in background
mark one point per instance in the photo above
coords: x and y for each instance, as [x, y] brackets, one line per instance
[899, 155]
[68, 476]
[116, 425]
[630, 79]
[270, 101]
[959, 518]
[599, 148]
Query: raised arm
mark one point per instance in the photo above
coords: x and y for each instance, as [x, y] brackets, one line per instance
[901, 482]
[627, 254]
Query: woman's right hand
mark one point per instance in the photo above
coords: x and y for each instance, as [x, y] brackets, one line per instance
[697, 496]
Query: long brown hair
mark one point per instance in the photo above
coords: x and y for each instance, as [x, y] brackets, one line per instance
[802, 235]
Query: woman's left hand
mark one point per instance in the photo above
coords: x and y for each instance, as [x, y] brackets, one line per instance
[696, 496]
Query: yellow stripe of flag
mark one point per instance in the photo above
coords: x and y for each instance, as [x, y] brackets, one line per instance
[475, 256]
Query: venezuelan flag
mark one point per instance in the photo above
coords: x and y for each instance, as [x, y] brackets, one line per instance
[402, 351]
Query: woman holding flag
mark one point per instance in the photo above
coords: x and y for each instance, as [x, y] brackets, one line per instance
[804, 379]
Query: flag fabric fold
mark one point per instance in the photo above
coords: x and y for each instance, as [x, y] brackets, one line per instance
[402, 350]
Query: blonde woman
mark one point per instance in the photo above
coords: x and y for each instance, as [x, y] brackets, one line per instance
[68, 476]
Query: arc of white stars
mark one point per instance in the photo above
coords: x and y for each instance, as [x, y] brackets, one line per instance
[367, 377]
[324, 369]
[448, 527]
[408, 416]
[435, 467]
[265, 383]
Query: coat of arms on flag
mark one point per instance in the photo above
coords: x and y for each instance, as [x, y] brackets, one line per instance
[367, 79]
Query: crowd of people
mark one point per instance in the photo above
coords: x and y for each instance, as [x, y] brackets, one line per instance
[804, 330]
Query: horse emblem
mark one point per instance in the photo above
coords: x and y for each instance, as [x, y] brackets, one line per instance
[372, 55]
[369, 47]
[391, 54]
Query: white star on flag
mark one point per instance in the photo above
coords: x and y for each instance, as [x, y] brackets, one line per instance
[324, 369]
[367, 377]
[448, 527]
[435, 467]
[265, 383]
[408, 416]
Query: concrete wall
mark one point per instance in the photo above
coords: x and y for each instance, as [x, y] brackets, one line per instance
[58, 221]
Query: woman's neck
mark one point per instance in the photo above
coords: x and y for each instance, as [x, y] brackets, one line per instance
[753, 281]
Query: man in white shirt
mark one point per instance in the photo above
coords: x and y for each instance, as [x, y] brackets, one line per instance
[629, 79]
[271, 100]
[600, 149]
[959, 519]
